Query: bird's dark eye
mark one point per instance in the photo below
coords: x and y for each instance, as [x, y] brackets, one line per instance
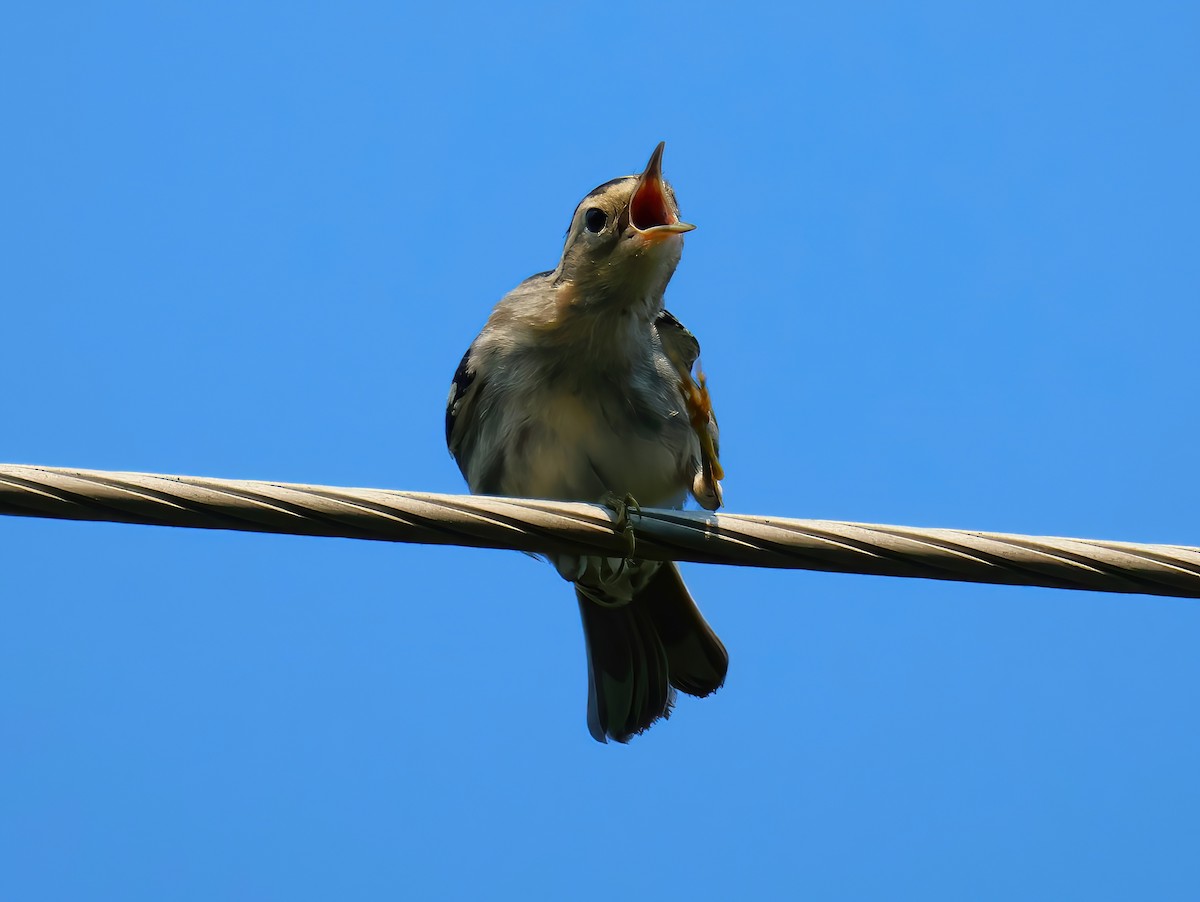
[595, 219]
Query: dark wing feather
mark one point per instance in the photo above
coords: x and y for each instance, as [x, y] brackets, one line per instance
[460, 398]
[680, 344]
[683, 350]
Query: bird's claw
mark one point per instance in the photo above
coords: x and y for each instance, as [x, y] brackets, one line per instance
[621, 507]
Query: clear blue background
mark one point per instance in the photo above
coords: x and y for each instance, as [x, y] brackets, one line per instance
[946, 273]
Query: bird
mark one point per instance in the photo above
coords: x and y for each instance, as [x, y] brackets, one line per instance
[580, 387]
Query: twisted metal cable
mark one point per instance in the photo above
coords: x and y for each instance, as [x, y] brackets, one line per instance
[545, 526]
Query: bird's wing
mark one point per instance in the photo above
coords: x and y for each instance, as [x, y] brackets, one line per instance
[680, 344]
[464, 389]
[683, 350]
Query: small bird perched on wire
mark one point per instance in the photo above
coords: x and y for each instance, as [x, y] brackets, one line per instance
[580, 388]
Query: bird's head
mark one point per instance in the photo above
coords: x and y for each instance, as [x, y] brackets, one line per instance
[623, 244]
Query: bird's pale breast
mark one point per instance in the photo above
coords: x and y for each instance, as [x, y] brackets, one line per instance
[570, 450]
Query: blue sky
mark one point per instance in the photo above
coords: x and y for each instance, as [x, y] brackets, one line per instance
[945, 274]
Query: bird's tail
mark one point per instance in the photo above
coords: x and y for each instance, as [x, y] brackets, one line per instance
[640, 652]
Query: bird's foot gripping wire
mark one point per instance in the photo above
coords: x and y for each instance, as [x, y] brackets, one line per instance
[621, 507]
[612, 581]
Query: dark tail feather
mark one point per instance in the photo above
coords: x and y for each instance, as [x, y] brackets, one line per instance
[696, 658]
[639, 653]
[628, 687]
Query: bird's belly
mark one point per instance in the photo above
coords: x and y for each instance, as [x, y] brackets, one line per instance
[572, 453]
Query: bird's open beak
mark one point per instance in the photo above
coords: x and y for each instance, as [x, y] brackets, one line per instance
[651, 210]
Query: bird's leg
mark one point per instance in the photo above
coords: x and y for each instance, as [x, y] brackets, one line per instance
[621, 507]
[607, 580]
